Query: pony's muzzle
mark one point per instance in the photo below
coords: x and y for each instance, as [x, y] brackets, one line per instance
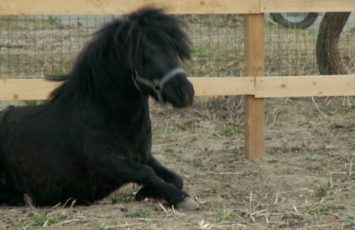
[187, 93]
[174, 88]
[180, 92]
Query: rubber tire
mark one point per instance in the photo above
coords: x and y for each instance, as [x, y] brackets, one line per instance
[305, 23]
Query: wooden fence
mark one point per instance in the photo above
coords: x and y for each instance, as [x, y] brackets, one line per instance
[253, 85]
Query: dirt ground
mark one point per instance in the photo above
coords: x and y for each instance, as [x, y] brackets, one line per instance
[305, 181]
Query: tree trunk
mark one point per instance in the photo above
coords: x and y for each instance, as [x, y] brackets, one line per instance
[328, 57]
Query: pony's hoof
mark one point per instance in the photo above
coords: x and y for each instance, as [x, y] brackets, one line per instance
[187, 204]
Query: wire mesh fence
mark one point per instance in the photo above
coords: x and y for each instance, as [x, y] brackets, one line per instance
[32, 46]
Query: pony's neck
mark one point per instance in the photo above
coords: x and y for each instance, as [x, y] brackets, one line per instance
[102, 78]
[125, 105]
[132, 116]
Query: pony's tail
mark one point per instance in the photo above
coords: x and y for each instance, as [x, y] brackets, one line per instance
[63, 77]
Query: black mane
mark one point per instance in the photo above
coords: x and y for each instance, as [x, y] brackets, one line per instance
[98, 68]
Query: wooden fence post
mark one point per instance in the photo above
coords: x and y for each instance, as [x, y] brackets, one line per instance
[254, 66]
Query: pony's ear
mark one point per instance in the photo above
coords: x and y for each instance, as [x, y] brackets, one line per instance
[166, 30]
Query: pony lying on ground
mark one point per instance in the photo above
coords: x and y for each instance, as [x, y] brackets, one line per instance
[94, 134]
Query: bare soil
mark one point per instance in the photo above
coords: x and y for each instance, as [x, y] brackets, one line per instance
[305, 181]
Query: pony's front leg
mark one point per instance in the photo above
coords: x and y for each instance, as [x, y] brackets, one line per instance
[172, 178]
[165, 174]
[125, 171]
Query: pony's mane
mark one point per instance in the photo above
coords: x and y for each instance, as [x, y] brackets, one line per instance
[116, 50]
[154, 26]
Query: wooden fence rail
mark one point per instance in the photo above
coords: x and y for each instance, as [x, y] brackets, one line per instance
[264, 87]
[254, 85]
[80, 7]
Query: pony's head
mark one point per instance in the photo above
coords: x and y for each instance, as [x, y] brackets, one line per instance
[137, 54]
[156, 45]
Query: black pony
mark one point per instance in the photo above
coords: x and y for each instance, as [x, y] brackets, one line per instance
[94, 134]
